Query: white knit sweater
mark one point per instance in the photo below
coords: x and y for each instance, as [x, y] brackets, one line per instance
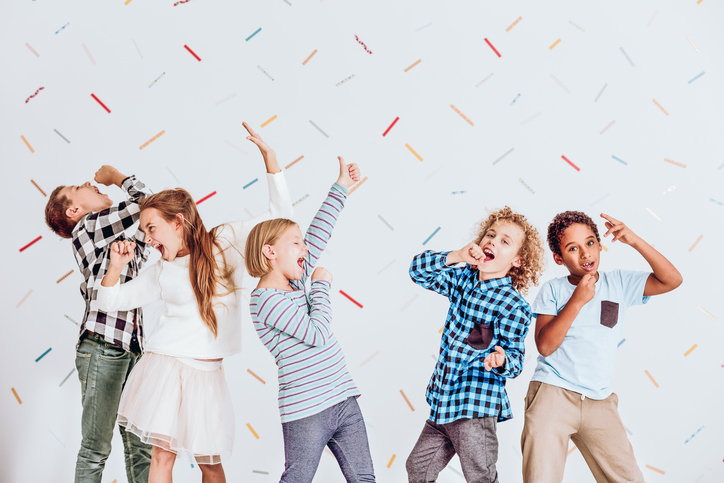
[180, 331]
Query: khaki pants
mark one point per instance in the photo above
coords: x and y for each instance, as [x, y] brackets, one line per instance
[554, 415]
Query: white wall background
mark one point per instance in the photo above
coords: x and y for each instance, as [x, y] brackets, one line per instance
[200, 106]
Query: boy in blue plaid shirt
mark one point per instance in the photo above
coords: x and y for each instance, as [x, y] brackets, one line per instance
[482, 344]
[109, 344]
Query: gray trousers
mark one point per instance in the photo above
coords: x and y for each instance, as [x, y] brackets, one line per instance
[342, 429]
[474, 440]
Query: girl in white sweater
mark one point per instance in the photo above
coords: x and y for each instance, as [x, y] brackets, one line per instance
[177, 398]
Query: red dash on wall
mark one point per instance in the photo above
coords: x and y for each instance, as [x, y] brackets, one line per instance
[491, 46]
[569, 162]
[99, 102]
[353, 300]
[192, 53]
[29, 244]
[388, 129]
[205, 198]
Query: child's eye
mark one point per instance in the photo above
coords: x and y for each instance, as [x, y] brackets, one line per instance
[506, 242]
[572, 249]
[590, 243]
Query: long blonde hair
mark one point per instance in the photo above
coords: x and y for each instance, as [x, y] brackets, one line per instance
[204, 272]
[265, 233]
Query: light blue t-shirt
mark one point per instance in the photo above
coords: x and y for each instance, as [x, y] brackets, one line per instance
[584, 361]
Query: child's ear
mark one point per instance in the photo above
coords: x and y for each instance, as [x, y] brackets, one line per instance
[179, 220]
[268, 252]
[72, 212]
[517, 262]
[558, 259]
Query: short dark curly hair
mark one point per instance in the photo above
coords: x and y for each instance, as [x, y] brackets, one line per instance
[562, 221]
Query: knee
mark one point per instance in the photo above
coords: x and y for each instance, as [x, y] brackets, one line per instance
[414, 474]
[162, 458]
[209, 470]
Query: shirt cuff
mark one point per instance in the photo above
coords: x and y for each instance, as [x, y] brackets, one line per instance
[340, 188]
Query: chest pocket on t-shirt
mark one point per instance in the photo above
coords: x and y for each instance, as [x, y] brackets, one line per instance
[480, 337]
[609, 313]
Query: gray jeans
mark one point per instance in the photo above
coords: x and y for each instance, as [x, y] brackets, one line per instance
[342, 429]
[474, 440]
[102, 370]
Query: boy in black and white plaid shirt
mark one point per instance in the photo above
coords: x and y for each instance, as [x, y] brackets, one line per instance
[109, 344]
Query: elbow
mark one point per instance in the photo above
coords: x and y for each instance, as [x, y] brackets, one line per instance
[677, 281]
[544, 349]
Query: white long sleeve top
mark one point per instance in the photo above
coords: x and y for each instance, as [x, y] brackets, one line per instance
[180, 331]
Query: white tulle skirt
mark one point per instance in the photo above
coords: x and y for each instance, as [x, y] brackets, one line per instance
[180, 405]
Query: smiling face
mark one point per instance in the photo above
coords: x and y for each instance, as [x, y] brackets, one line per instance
[501, 245]
[580, 251]
[289, 254]
[164, 236]
[85, 198]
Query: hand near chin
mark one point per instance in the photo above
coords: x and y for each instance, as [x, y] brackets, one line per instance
[321, 273]
[585, 290]
[122, 252]
[349, 174]
[495, 359]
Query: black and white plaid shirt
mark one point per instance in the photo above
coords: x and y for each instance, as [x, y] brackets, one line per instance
[92, 238]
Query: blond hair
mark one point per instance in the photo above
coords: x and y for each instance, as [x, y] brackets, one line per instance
[531, 248]
[265, 233]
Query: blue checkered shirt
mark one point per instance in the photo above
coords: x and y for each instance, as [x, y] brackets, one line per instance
[482, 314]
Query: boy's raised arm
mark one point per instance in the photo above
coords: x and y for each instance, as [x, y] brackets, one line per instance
[665, 276]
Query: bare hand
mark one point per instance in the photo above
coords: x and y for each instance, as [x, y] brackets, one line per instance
[471, 254]
[122, 252]
[619, 230]
[585, 290]
[495, 359]
[349, 174]
[107, 175]
[266, 151]
[321, 273]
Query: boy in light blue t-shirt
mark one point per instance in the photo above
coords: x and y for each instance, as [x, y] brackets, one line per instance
[578, 326]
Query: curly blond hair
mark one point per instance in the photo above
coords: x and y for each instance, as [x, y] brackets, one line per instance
[531, 250]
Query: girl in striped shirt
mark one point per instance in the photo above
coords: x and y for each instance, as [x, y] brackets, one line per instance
[317, 397]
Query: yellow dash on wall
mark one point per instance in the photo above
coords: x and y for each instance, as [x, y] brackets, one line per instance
[413, 152]
[689, 351]
[674, 162]
[391, 460]
[514, 24]
[27, 143]
[64, 277]
[571, 450]
[441, 329]
[406, 400]
[604, 247]
[252, 430]
[413, 65]
[294, 162]
[16, 395]
[310, 56]
[692, 43]
[152, 139]
[462, 115]
[707, 314]
[357, 185]
[655, 469]
[652, 379]
[252, 373]
[661, 107]
[554, 44]
[696, 242]
[269, 120]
